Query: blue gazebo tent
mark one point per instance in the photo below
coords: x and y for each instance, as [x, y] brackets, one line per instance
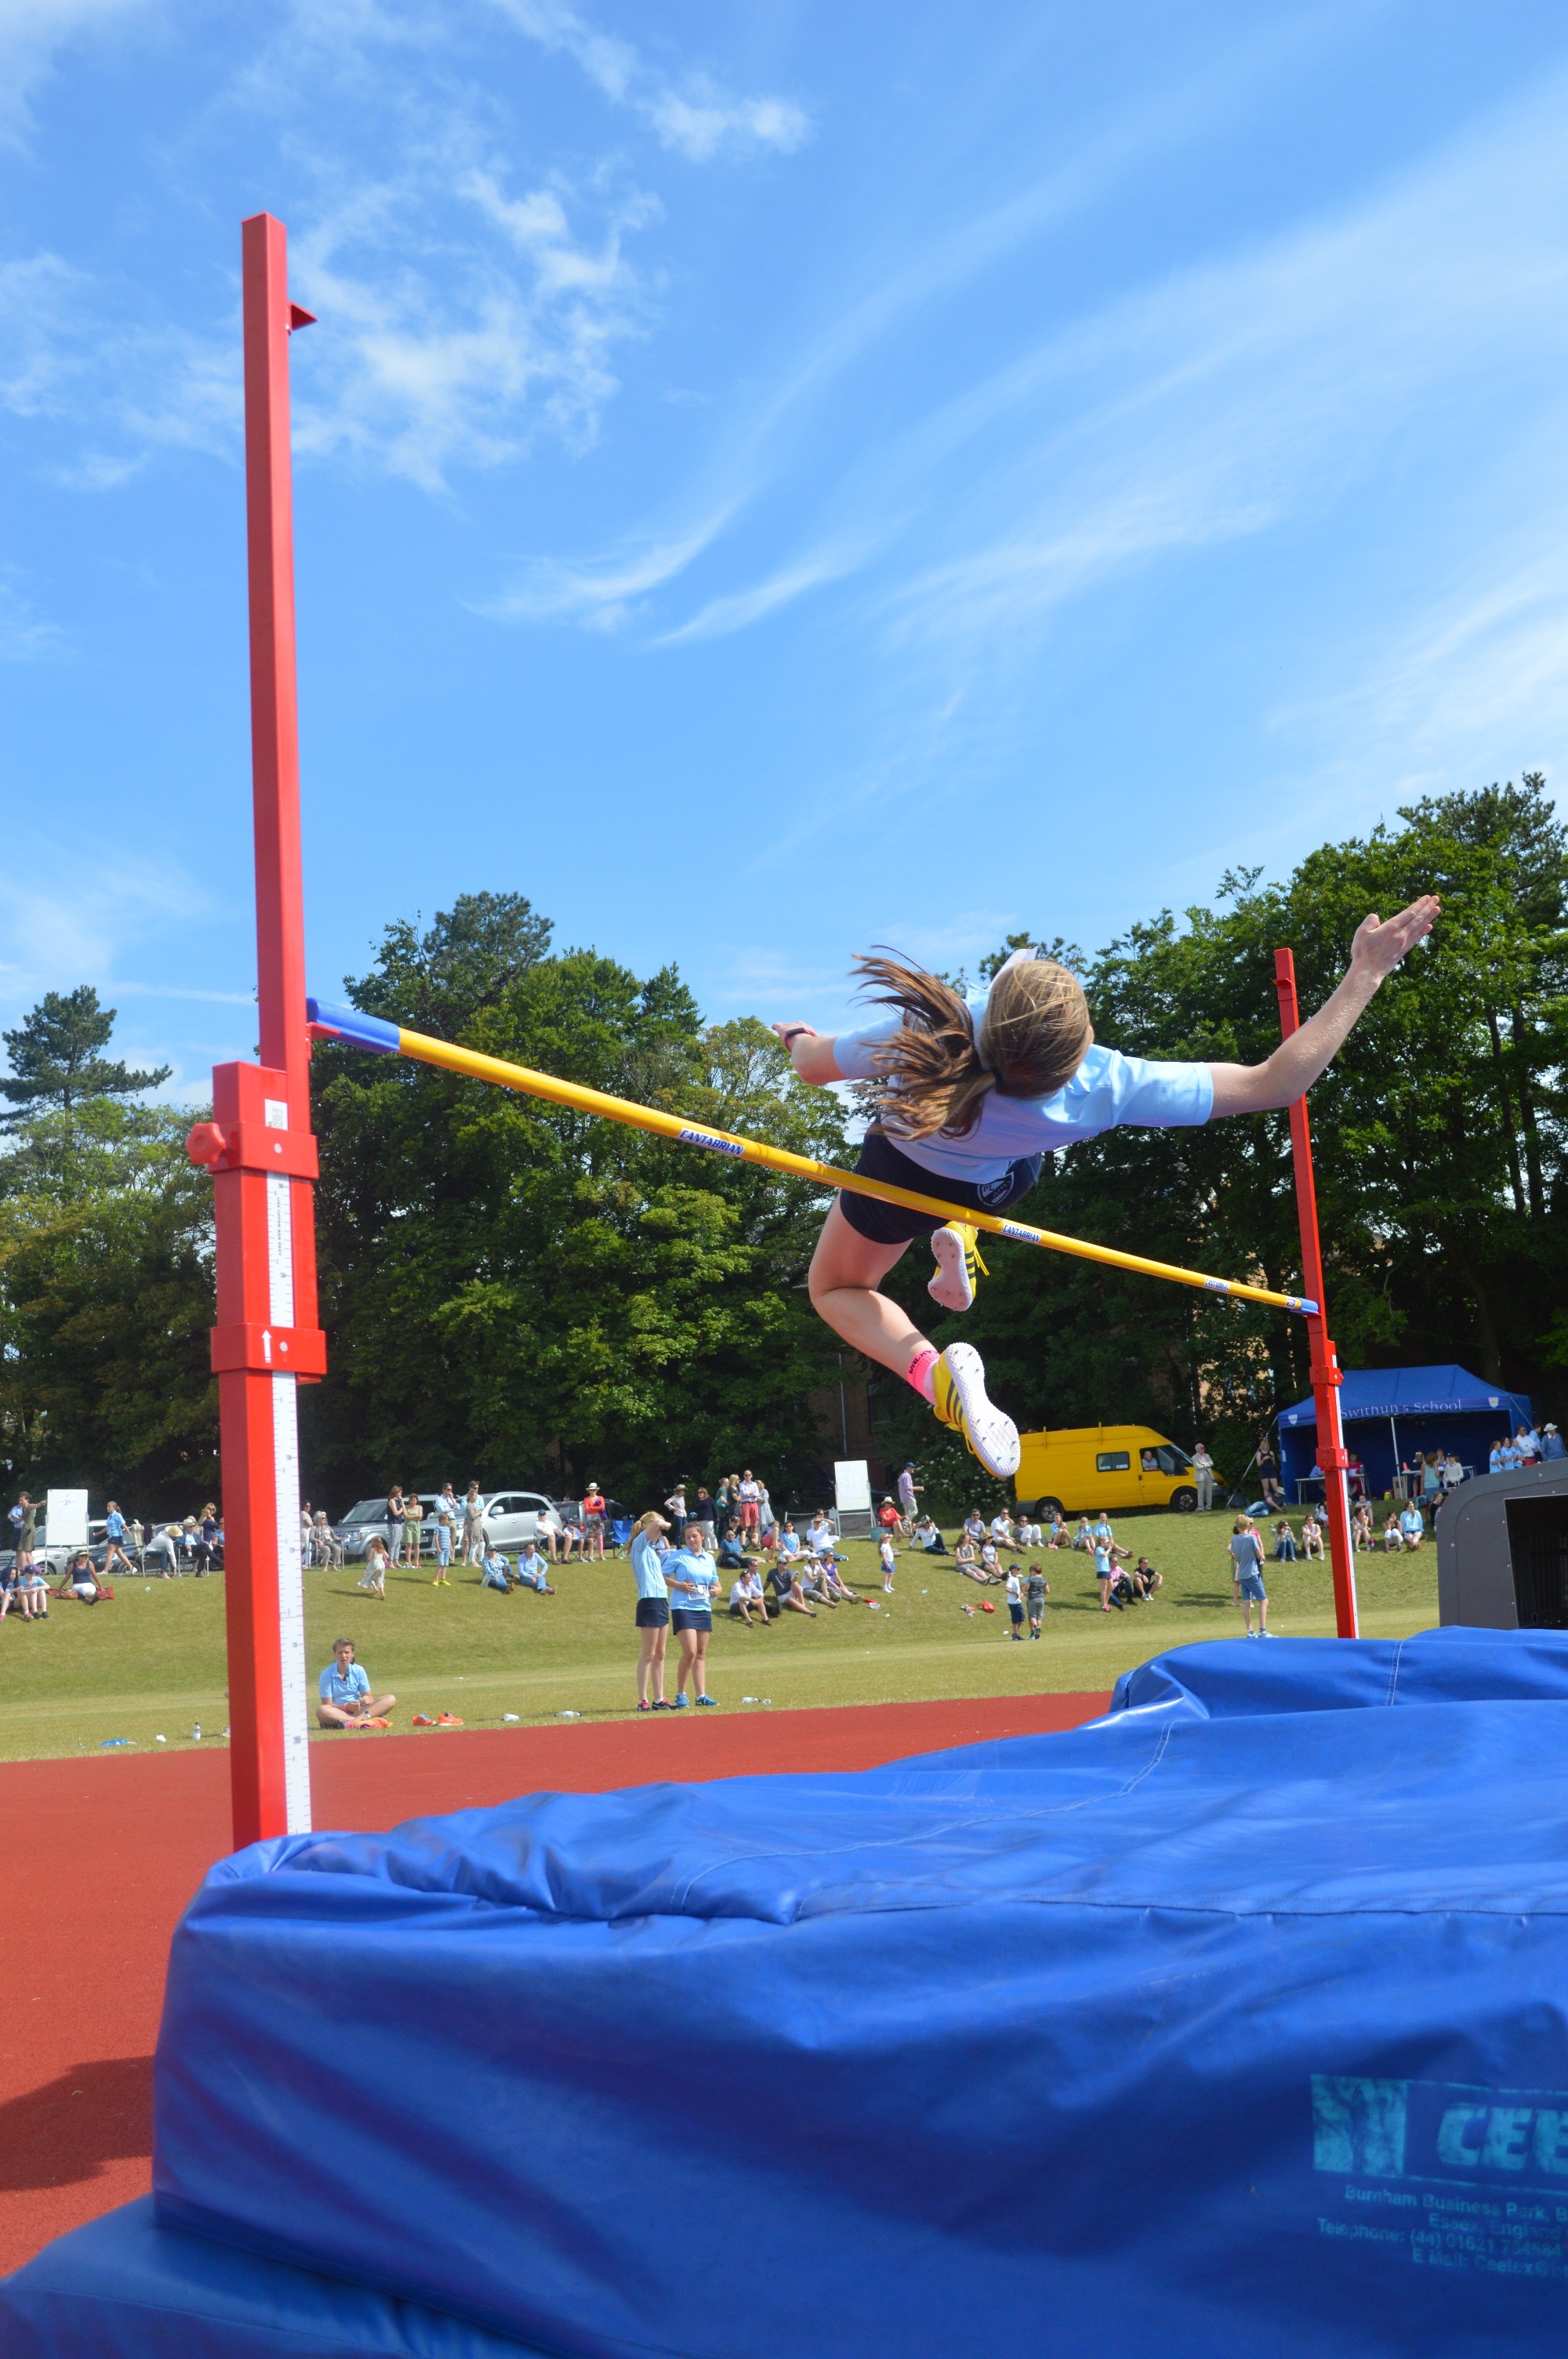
[1390, 1413]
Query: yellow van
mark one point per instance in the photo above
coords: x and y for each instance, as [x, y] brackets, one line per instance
[1079, 1468]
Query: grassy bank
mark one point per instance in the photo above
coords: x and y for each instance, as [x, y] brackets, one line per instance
[152, 1663]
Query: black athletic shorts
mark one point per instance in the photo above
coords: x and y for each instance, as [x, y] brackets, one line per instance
[893, 1225]
[652, 1613]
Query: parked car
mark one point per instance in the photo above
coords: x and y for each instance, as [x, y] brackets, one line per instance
[55, 1560]
[510, 1518]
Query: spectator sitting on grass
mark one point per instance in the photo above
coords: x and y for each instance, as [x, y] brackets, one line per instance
[532, 1572]
[344, 1700]
[1284, 1543]
[29, 1588]
[1002, 1532]
[1083, 1537]
[80, 1581]
[819, 1532]
[1056, 1533]
[975, 1527]
[1146, 1580]
[967, 1557]
[1029, 1535]
[1361, 1526]
[789, 1543]
[1311, 1537]
[732, 1552]
[1413, 1531]
[749, 1599]
[928, 1539]
[836, 1588]
[788, 1590]
[1393, 1538]
[494, 1573]
[812, 1586]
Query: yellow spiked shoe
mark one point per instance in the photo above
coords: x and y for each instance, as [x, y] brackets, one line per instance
[958, 1397]
[957, 1252]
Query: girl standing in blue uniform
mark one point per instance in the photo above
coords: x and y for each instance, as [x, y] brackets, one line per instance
[972, 1093]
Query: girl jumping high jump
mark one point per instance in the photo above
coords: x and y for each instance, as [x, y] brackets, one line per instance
[971, 1096]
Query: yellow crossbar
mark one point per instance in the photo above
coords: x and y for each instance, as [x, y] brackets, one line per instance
[805, 1167]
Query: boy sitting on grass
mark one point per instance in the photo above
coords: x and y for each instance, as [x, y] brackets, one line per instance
[343, 1689]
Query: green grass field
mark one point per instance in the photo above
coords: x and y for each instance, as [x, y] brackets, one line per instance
[152, 1663]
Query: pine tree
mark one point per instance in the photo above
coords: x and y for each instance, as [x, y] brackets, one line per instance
[54, 1060]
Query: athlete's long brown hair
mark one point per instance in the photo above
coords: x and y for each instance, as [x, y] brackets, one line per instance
[939, 1066]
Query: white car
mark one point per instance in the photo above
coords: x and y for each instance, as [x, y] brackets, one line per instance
[510, 1518]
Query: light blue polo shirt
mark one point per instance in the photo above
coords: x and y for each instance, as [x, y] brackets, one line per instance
[646, 1564]
[114, 1526]
[341, 1687]
[1107, 1091]
[693, 1566]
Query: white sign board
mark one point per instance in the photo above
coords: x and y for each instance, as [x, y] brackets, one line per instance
[851, 1484]
[65, 1518]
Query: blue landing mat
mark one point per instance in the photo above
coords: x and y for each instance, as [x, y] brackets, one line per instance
[123, 2288]
[1234, 2020]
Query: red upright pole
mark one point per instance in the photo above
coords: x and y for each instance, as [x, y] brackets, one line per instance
[259, 1145]
[1327, 1379]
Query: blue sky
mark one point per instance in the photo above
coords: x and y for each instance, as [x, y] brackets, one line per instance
[769, 478]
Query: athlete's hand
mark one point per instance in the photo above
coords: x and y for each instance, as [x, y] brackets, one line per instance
[810, 1031]
[1380, 944]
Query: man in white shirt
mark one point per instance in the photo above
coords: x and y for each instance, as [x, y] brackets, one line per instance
[748, 1599]
[1002, 1530]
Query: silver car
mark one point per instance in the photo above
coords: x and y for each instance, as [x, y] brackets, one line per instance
[510, 1518]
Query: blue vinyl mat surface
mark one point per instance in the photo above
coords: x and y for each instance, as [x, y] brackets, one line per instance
[123, 2288]
[1234, 2020]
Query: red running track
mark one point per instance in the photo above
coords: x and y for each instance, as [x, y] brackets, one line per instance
[99, 1856]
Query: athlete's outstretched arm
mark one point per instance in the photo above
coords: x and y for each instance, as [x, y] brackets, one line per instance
[1296, 1063]
[811, 1053]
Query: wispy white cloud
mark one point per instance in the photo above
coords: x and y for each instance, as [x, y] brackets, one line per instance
[1229, 400]
[697, 116]
[25, 635]
[81, 350]
[32, 35]
[87, 913]
[601, 592]
[467, 307]
[438, 354]
[742, 607]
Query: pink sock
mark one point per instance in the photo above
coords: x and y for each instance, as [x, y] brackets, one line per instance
[921, 1372]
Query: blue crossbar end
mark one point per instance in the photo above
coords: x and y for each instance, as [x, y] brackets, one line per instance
[360, 1031]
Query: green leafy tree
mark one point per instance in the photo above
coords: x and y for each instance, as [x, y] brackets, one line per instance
[55, 1063]
[105, 1303]
[521, 1293]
